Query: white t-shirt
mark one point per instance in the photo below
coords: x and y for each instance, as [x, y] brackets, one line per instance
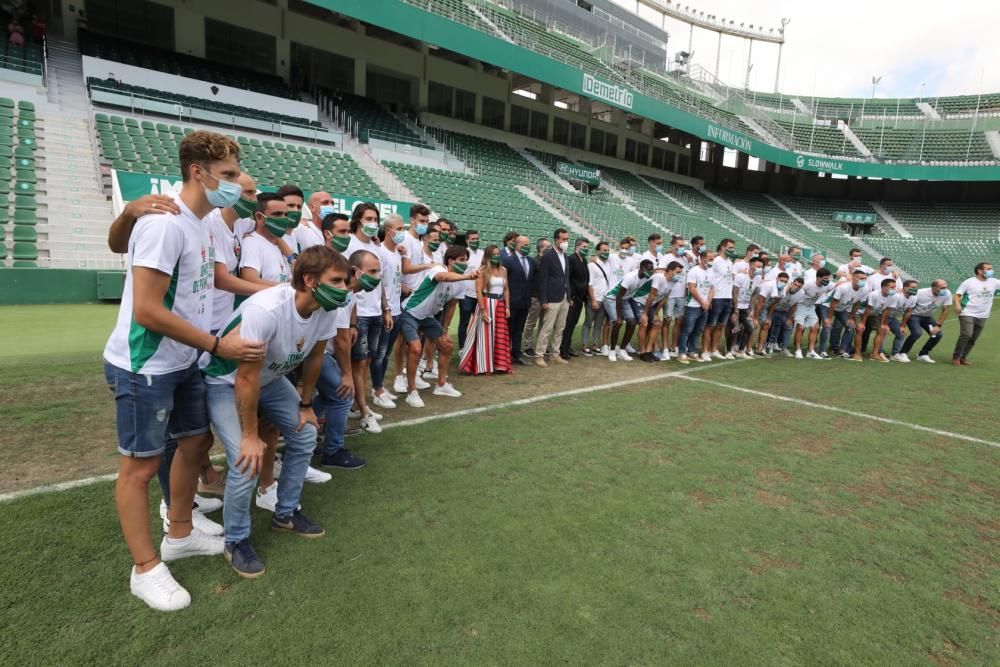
[927, 303]
[722, 278]
[878, 302]
[662, 287]
[790, 300]
[228, 250]
[793, 269]
[741, 266]
[369, 304]
[291, 242]
[846, 296]
[632, 262]
[263, 256]
[392, 277]
[769, 290]
[847, 269]
[702, 281]
[430, 296]
[307, 235]
[679, 289]
[745, 285]
[414, 255]
[659, 261]
[617, 267]
[980, 296]
[630, 286]
[180, 246]
[468, 288]
[599, 278]
[270, 316]
[874, 283]
[816, 293]
[904, 303]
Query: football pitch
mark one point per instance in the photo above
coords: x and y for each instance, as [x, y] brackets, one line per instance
[772, 511]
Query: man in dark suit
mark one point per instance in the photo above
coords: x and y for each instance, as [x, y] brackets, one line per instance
[553, 294]
[520, 274]
[579, 280]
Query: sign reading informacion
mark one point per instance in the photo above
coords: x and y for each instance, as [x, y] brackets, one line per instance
[730, 138]
[620, 96]
[575, 172]
[855, 217]
[133, 185]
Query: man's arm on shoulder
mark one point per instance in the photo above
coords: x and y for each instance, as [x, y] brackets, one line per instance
[121, 229]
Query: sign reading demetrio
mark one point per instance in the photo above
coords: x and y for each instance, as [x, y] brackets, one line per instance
[617, 95]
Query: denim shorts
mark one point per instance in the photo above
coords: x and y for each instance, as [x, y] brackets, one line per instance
[675, 307]
[411, 327]
[637, 308]
[719, 312]
[611, 308]
[151, 408]
[806, 317]
[370, 329]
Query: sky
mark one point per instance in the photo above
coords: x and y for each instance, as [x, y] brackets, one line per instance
[833, 49]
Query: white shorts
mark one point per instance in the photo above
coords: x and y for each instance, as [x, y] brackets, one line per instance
[806, 317]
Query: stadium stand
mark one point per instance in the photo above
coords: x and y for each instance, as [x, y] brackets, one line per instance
[917, 144]
[819, 138]
[19, 181]
[366, 120]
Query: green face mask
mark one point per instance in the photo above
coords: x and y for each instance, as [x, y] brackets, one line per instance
[911, 291]
[525, 251]
[294, 216]
[730, 253]
[495, 260]
[329, 297]
[277, 226]
[474, 245]
[444, 236]
[645, 274]
[604, 255]
[434, 245]
[512, 246]
[584, 252]
[368, 282]
[369, 229]
[244, 207]
[340, 243]
[459, 267]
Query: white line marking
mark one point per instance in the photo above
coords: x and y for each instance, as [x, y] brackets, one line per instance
[75, 484]
[853, 413]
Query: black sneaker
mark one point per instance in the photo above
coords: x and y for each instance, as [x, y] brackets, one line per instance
[587, 353]
[530, 353]
[344, 459]
[297, 523]
[244, 559]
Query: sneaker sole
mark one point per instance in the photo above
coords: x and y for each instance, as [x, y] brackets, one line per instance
[344, 467]
[245, 575]
[308, 536]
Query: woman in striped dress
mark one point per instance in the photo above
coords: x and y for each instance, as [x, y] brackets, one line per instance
[487, 345]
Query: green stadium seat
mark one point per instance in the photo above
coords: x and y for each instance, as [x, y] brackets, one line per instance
[25, 217]
[25, 251]
[25, 203]
[25, 233]
[23, 188]
[25, 264]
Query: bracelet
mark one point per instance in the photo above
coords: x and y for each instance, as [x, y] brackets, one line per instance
[303, 406]
[215, 346]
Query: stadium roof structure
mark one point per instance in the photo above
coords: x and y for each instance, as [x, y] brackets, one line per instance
[696, 102]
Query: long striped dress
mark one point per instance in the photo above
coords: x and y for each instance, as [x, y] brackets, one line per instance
[487, 345]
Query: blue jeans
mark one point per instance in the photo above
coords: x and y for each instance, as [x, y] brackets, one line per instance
[694, 323]
[897, 341]
[780, 331]
[370, 330]
[845, 342]
[279, 404]
[330, 407]
[824, 331]
[718, 314]
[381, 362]
[917, 324]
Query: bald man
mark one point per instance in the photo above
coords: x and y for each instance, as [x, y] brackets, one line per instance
[922, 319]
[308, 232]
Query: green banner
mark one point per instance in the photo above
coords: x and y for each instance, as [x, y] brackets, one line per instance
[855, 218]
[133, 185]
[407, 19]
[575, 172]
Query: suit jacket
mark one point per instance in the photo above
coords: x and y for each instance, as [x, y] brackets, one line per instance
[553, 281]
[518, 283]
[579, 276]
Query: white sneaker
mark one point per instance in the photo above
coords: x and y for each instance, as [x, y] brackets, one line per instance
[749, 354]
[383, 401]
[605, 350]
[798, 354]
[158, 589]
[399, 384]
[429, 375]
[926, 359]
[354, 414]
[683, 359]
[729, 355]
[666, 356]
[447, 390]
[195, 544]
[413, 399]
[207, 505]
[314, 476]
[705, 356]
[386, 393]
[420, 383]
[717, 355]
[629, 348]
[198, 521]
[787, 353]
[370, 424]
[612, 356]
[903, 358]
[623, 355]
[267, 499]
[372, 413]
[814, 355]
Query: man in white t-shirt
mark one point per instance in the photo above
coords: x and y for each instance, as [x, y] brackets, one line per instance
[373, 315]
[846, 271]
[592, 337]
[392, 237]
[655, 251]
[150, 363]
[650, 324]
[815, 289]
[701, 291]
[785, 265]
[674, 310]
[436, 292]
[886, 269]
[294, 201]
[922, 319]
[617, 303]
[847, 302]
[722, 273]
[294, 322]
[794, 268]
[973, 303]
[768, 294]
[261, 259]
[469, 301]
[743, 265]
[876, 304]
[308, 232]
[741, 326]
[898, 318]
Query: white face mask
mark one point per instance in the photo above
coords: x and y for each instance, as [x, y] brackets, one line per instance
[563, 246]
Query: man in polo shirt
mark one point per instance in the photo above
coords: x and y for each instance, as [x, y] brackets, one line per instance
[973, 303]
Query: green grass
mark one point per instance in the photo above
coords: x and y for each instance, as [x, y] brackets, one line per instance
[672, 522]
